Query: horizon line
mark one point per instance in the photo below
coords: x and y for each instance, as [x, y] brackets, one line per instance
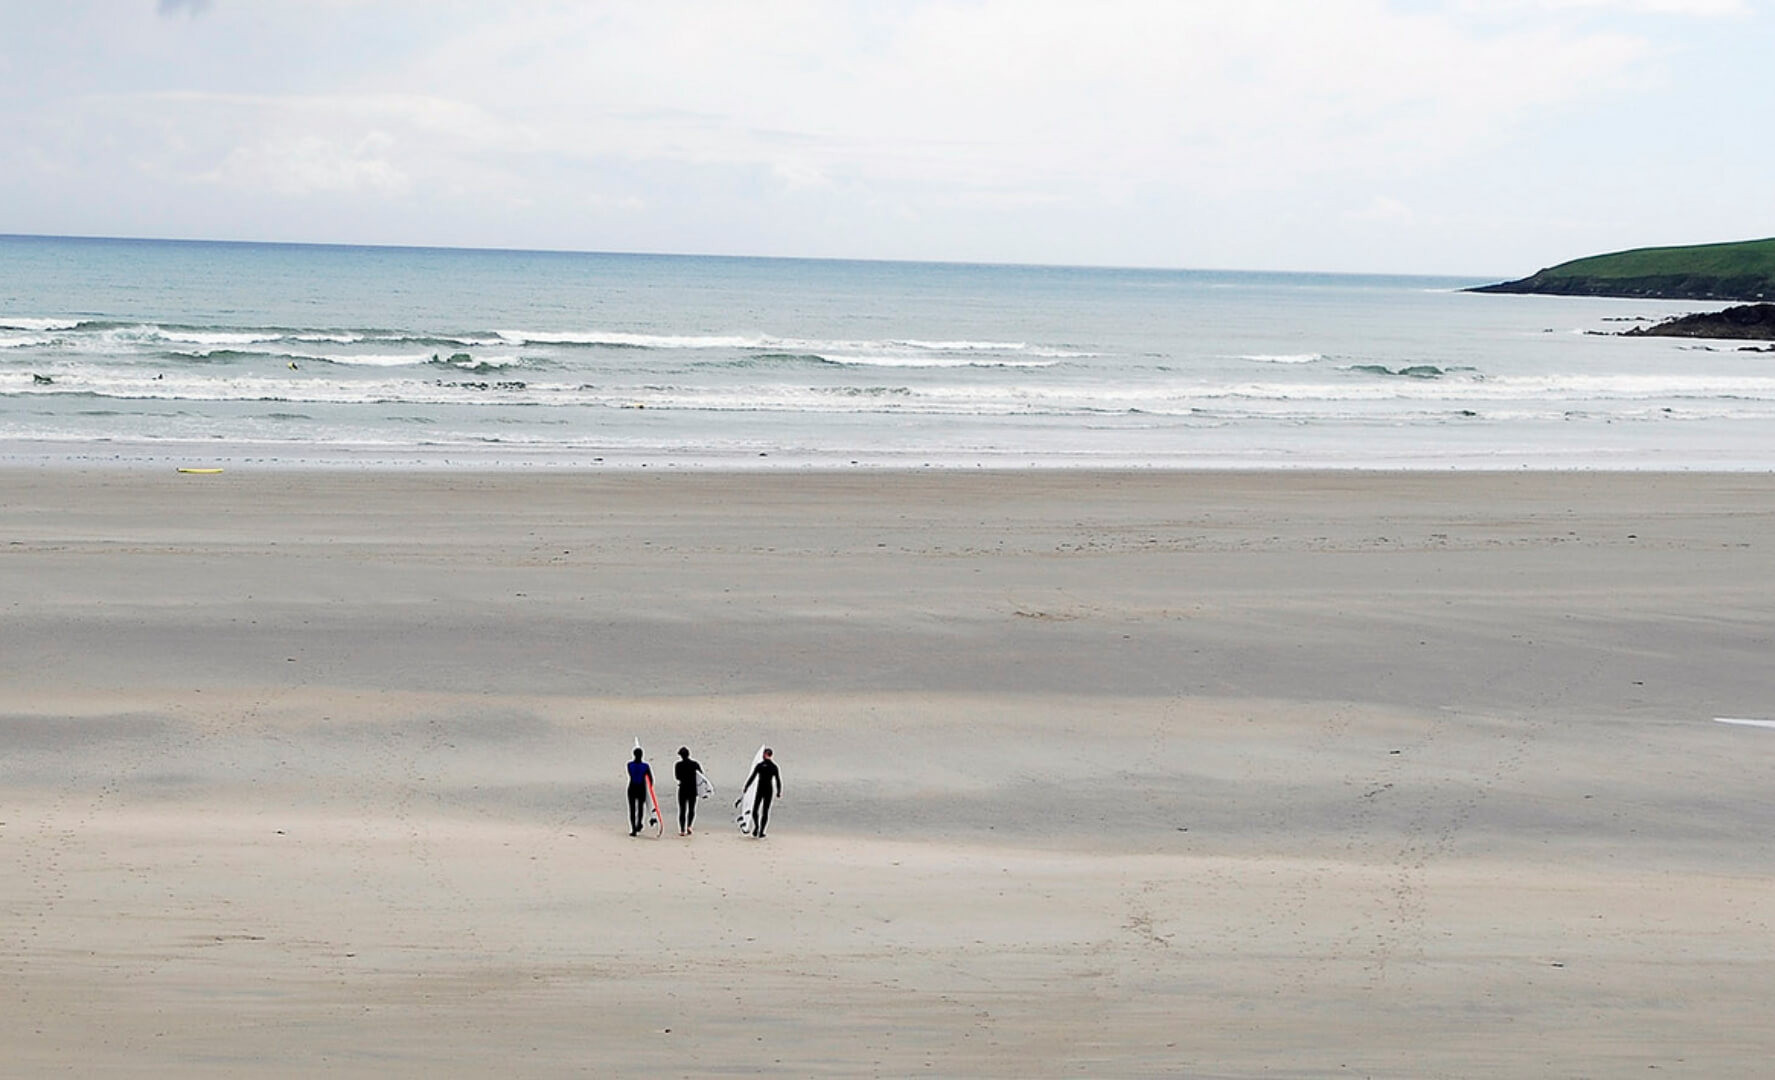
[714, 255]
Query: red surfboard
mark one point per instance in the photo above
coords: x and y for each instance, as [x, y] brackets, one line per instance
[658, 822]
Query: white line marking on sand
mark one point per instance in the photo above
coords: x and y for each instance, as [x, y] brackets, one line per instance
[1745, 723]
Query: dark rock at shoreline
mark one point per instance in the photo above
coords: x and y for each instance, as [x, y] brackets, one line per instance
[1746, 322]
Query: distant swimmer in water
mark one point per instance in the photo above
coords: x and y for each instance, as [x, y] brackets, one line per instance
[639, 774]
[766, 774]
[293, 366]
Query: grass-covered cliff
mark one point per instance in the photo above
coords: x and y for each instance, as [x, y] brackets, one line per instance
[1738, 271]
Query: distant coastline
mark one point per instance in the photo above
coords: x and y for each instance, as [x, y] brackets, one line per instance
[1744, 270]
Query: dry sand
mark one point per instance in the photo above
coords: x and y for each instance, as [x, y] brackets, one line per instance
[1085, 774]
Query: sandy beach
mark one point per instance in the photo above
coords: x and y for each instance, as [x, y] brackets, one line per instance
[1283, 774]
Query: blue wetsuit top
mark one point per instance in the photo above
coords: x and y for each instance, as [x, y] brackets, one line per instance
[638, 773]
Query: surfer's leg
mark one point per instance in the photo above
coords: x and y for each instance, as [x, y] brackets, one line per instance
[637, 803]
[761, 813]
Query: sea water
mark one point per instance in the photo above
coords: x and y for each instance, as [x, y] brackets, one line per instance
[127, 350]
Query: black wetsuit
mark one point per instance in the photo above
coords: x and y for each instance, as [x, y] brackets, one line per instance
[686, 771]
[638, 774]
[766, 774]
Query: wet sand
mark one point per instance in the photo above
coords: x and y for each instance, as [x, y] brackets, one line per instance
[1085, 774]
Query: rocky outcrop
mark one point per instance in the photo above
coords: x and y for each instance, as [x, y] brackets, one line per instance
[1746, 322]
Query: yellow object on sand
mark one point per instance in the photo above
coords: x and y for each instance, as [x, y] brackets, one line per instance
[201, 471]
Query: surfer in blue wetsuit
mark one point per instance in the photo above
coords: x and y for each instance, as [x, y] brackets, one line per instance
[765, 774]
[639, 774]
[686, 770]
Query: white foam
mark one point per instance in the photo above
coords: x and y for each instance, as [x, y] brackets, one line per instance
[1638, 386]
[412, 377]
[14, 322]
[120, 337]
[763, 341]
[300, 342]
[335, 339]
[1744, 723]
[964, 346]
[640, 341]
[904, 360]
[378, 359]
[1283, 358]
[1458, 386]
[215, 338]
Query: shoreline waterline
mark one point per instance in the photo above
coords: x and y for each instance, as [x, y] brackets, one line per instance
[125, 455]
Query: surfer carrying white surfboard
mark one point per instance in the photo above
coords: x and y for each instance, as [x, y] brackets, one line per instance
[690, 782]
[639, 774]
[764, 777]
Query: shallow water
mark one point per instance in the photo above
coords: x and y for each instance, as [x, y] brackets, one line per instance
[412, 355]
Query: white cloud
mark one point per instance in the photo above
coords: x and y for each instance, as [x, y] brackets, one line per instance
[311, 164]
[999, 93]
[1208, 131]
[1383, 209]
[1698, 8]
[380, 145]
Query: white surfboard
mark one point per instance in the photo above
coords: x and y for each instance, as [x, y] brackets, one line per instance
[748, 796]
[704, 789]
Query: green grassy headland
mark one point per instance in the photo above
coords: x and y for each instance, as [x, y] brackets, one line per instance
[1744, 270]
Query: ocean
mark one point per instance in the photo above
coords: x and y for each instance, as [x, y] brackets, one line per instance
[150, 352]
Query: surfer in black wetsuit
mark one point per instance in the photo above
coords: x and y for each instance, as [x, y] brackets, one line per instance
[765, 774]
[686, 770]
[639, 773]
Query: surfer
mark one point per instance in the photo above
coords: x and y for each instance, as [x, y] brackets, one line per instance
[686, 770]
[765, 774]
[639, 774]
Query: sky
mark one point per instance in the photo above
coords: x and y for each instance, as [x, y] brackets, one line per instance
[1414, 136]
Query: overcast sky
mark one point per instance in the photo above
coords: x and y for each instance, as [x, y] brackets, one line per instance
[1441, 136]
